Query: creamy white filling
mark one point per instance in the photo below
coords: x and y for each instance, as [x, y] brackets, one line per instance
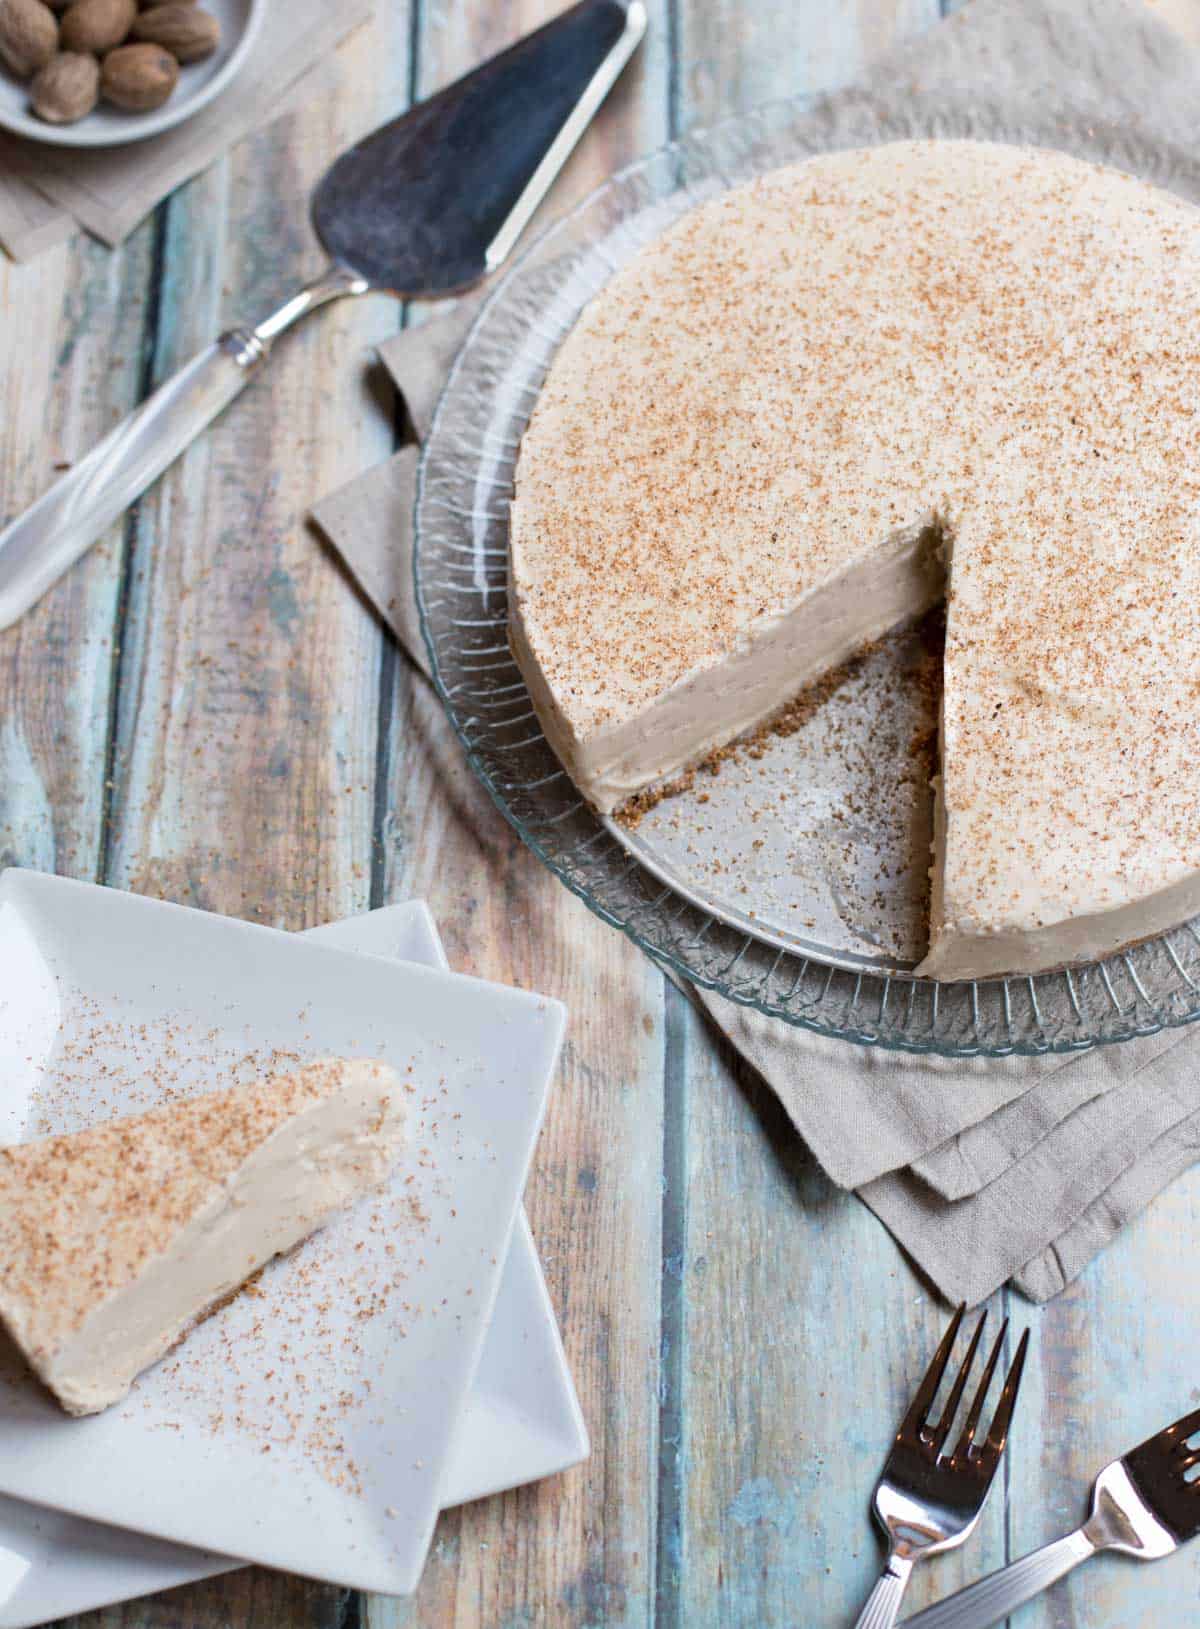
[317, 1162]
[965, 950]
[715, 704]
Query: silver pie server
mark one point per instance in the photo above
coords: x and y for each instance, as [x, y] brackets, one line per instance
[425, 207]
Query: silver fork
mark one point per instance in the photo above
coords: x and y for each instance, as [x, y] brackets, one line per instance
[927, 1503]
[1141, 1505]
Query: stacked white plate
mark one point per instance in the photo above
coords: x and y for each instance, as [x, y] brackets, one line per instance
[292, 1429]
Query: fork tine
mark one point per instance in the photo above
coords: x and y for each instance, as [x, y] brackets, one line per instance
[998, 1435]
[1181, 1430]
[942, 1430]
[966, 1441]
[927, 1390]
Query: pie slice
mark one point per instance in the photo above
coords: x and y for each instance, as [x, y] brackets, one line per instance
[115, 1240]
[771, 435]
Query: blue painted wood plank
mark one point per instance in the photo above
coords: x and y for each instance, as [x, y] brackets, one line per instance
[72, 324]
[1113, 1362]
[578, 1550]
[798, 1329]
[734, 56]
[245, 715]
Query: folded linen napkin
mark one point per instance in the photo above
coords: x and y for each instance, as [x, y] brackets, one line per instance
[985, 1170]
[45, 192]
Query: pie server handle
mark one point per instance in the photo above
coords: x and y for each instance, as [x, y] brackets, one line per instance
[63, 524]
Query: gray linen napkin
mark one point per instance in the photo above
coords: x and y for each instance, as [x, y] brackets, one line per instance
[1160, 1165]
[986, 1168]
[46, 191]
[981, 1240]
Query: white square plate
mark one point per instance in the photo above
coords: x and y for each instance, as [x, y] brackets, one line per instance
[309, 1426]
[521, 1421]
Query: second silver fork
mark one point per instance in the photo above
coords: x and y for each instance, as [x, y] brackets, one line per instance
[1143, 1505]
[924, 1501]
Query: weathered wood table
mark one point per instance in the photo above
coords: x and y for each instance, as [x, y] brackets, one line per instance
[206, 710]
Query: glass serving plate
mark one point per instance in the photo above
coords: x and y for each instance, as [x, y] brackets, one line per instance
[793, 880]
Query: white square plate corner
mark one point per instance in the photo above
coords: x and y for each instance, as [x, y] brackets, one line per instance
[109, 1001]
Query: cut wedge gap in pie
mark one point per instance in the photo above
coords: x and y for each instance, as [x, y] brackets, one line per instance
[759, 441]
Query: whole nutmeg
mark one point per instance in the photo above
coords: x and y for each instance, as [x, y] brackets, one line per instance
[96, 25]
[181, 28]
[67, 88]
[28, 35]
[138, 78]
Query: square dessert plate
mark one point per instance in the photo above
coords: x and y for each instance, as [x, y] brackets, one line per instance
[521, 1421]
[308, 1426]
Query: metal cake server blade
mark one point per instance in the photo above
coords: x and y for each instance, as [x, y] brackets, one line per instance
[425, 207]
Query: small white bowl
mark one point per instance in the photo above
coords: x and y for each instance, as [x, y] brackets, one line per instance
[107, 126]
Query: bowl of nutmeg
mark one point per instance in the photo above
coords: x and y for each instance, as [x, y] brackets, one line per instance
[97, 73]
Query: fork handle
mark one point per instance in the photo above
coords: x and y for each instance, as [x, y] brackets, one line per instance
[994, 1597]
[883, 1603]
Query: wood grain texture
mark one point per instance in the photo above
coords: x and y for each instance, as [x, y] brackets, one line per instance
[245, 717]
[580, 1550]
[781, 1422]
[1114, 1362]
[246, 725]
[73, 324]
[205, 709]
[803, 1335]
[733, 57]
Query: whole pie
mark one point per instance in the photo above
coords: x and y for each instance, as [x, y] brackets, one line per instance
[825, 400]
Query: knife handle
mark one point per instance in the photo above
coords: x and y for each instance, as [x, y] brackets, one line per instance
[63, 524]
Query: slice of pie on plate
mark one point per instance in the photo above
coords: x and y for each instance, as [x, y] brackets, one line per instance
[824, 400]
[116, 1239]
